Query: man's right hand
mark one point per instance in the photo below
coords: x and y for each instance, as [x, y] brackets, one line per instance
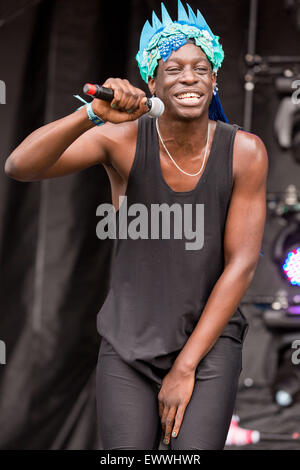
[129, 103]
[73, 142]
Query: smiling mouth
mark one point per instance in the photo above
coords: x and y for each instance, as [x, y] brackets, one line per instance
[189, 99]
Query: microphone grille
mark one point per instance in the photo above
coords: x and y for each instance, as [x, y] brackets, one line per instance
[157, 107]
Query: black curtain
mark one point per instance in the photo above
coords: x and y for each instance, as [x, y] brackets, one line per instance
[54, 271]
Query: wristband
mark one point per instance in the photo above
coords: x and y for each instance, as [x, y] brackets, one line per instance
[91, 115]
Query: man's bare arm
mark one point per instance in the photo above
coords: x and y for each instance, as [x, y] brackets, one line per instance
[74, 143]
[242, 242]
[61, 147]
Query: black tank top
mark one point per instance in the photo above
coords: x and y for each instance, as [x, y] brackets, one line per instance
[158, 287]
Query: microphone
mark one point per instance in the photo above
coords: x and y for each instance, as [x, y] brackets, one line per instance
[155, 105]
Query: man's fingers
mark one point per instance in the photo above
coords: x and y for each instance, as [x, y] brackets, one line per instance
[126, 96]
[178, 419]
[164, 418]
[160, 409]
[142, 109]
[117, 92]
[133, 103]
[118, 98]
[144, 101]
[128, 103]
[169, 424]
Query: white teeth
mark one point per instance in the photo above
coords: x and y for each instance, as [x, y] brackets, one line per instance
[188, 95]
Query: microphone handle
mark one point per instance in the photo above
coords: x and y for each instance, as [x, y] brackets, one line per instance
[103, 93]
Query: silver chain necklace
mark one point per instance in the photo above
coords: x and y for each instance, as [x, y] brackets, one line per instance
[204, 158]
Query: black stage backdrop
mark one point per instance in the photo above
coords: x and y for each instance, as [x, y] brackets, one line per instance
[54, 270]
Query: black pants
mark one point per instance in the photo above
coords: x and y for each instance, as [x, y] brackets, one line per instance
[127, 404]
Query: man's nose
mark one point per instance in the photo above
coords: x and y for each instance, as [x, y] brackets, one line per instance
[188, 76]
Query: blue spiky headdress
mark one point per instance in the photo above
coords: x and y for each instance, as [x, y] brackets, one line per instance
[159, 40]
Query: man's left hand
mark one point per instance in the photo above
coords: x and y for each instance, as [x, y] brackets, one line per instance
[174, 396]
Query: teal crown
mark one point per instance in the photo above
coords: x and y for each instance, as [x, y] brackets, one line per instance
[160, 39]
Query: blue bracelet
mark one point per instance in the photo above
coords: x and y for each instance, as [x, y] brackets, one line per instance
[91, 115]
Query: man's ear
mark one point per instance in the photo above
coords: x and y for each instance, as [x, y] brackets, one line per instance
[151, 85]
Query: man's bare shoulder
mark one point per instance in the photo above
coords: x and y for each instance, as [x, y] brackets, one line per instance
[118, 134]
[250, 154]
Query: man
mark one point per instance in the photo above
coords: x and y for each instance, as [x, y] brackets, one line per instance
[172, 332]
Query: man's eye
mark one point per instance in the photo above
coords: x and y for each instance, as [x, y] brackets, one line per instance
[198, 69]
